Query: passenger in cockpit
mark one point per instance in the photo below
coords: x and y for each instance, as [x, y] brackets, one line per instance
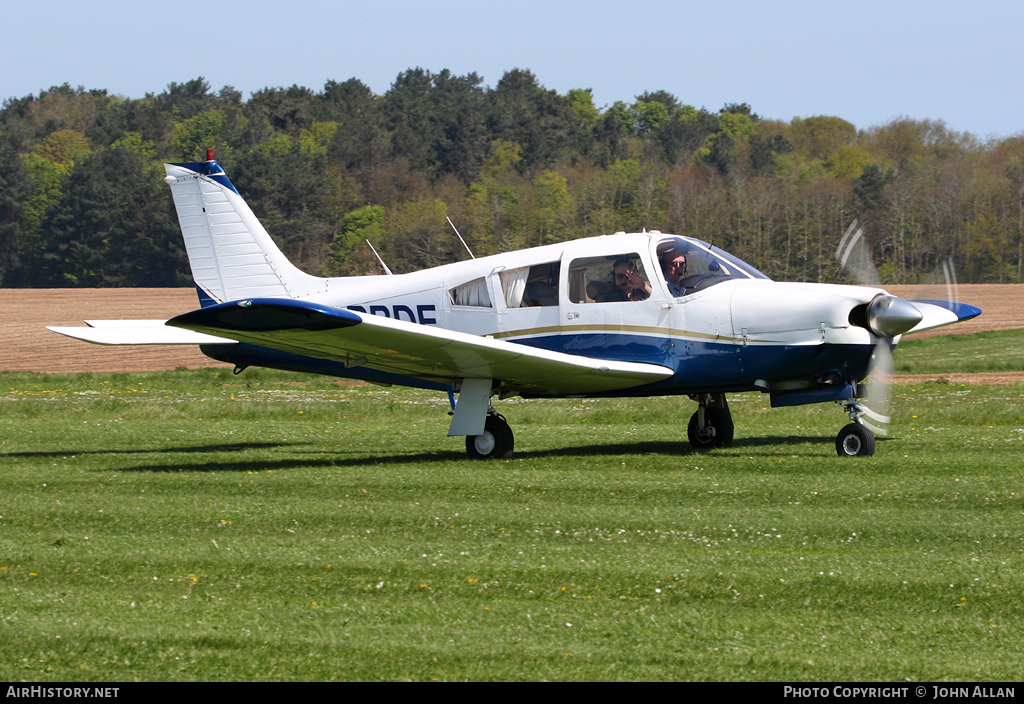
[628, 282]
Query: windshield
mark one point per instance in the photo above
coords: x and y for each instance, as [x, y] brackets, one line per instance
[691, 265]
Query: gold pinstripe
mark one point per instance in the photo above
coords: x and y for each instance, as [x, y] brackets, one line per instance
[618, 328]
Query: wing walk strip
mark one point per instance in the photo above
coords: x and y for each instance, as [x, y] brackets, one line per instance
[416, 350]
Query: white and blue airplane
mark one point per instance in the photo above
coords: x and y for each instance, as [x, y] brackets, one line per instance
[642, 314]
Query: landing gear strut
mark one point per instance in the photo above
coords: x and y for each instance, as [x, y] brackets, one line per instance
[495, 443]
[711, 426]
[855, 440]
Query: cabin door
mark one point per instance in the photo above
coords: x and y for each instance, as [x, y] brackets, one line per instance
[613, 308]
[528, 305]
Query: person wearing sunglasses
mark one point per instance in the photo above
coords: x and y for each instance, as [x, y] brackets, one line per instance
[628, 282]
[673, 264]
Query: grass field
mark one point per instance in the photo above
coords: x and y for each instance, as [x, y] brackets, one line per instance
[993, 351]
[201, 526]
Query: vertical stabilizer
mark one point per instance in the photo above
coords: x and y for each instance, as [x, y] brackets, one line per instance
[231, 255]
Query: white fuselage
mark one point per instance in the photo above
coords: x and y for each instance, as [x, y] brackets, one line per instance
[743, 325]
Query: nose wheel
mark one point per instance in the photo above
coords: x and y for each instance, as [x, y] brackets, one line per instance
[855, 439]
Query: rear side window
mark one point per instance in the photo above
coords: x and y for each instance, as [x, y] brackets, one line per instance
[473, 293]
[531, 286]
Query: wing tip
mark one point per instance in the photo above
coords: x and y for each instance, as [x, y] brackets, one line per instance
[962, 311]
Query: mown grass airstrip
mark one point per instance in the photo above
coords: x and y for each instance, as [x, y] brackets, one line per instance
[993, 351]
[200, 526]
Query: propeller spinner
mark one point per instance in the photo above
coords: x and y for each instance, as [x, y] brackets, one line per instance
[889, 316]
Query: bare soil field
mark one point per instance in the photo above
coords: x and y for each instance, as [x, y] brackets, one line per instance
[26, 344]
[1002, 307]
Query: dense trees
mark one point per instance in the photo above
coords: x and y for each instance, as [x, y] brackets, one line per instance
[516, 165]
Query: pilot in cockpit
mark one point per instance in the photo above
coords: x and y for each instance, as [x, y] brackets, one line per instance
[673, 264]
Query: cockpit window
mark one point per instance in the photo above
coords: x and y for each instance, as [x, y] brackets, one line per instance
[690, 265]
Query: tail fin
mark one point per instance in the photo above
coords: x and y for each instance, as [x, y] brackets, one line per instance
[231, 255]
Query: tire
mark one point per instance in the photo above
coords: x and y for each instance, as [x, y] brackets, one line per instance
[854, 440]
[495, 443]
[718, 430]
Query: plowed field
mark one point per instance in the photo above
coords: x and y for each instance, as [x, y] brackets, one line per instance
[26, 344]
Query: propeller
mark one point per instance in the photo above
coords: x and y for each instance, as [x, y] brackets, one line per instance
[855, 257]
[887, 317]
[875, 404]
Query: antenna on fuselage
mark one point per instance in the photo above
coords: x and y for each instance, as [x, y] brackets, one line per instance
[386, 270]
[460, 237]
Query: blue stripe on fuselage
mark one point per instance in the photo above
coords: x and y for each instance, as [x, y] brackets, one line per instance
[703, 366]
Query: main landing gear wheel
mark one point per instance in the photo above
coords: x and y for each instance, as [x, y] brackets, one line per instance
[854, 440]
[717, 430]
[495, 443]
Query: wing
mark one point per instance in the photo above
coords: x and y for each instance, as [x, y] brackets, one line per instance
[938, 313]
[137, 332]
[420, 351]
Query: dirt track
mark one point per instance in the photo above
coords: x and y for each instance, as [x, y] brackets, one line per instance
[28, 346]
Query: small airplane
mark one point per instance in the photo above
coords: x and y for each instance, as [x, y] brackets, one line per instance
[641, 314]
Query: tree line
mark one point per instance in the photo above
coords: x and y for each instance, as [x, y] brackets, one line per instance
[82, 201]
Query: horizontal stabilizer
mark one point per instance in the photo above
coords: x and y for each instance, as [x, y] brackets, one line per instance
[124, 323]
[421, 351]
[137, 332]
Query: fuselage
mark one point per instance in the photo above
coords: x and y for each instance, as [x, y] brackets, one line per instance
[735, 330]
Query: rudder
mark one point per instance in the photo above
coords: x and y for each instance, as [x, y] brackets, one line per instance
[231, 255]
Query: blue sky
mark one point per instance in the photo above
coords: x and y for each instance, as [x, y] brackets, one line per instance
[867, 62]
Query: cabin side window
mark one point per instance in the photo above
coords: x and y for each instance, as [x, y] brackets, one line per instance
[472, 293]
[608, 279]
[530, 286]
